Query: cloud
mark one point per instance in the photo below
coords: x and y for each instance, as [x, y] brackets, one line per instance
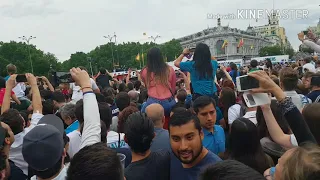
[19, 8]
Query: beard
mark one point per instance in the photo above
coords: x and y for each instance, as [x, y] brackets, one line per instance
[194, 154]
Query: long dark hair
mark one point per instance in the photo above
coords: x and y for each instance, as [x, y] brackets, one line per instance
[235, 68]
[245, 145]
[202, 61]
[268, 63]
[157, 66]
[227, 99]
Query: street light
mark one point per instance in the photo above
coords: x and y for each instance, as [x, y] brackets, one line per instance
[110, 40]
[27, 40]
[154, 38]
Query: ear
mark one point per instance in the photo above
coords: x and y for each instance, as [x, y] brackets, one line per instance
[125, 139]
[201, 135]
[7, 140]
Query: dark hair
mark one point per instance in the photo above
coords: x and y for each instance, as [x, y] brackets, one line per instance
[143, 96]
[123, 116]
[47, 107]
[202, 102]
[104, 132]
[109, 100]
[202, 61]
[157, 66]
[48, 173]
[130, 86]
[229, 170]
[227, 83]
[46, 94]
[122, 100]
[95, 162]
[2, 82]
[79, 111]
[269, 63]
[181, 95]
[139, 132]
[245, 145]
[103, 71]
[278, 115]
[25, 114]
[13, 119]
[311, 115]
[105, 114]
[182, 117]
[235, 68]
[227, 99]
[289, 78]
[137, 84]
[58, 96]
[122, 87]
[308, 74]
[100, 98]
[253, 63]
[307, 59]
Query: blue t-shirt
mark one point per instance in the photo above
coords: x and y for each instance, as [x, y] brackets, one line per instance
[218, 115]
[74, 126]
[7, 77]
[205, 86]
[313, 95]
[215, 142]
[178, 172]
[234, 78]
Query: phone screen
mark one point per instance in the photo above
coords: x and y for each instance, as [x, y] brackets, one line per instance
[21, 78]
[248, 82]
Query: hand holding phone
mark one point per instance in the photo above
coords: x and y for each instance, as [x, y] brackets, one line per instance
[257, 99]
[246, 83]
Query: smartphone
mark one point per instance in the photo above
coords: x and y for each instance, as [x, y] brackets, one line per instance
[21, 78]
[257, 99]
[63, 77]
[305, 32]
[39, 78]
[246, 83]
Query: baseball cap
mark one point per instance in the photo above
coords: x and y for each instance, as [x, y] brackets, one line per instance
[43, 145]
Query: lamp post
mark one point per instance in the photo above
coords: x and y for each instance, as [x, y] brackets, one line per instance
[154, 38]
[27, 40]
[110, 40]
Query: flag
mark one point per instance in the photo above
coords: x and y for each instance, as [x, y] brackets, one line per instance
[225, 43]
[251, 47]
[142, 56]
[138, 57]
[240, 43]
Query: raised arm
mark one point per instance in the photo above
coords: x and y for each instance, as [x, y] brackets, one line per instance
[36, 98]
[274, 129]
[48, 83]
[91, 133]
[227, 74]
[128, 76]
[11, 83]
[179, 59]
[295, 120]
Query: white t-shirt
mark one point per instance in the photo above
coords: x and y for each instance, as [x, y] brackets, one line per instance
[19, 90]
[310, 67]
[113, 140]
[76, 90]
[233, 113]
[251, 115]
[62, 175]
[74, 143]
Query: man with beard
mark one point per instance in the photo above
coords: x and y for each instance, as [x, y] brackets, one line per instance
[186, 138]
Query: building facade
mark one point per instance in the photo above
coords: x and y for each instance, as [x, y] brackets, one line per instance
[216, 36]
[274, 32]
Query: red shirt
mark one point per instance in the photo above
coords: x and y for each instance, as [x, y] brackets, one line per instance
[2, 92]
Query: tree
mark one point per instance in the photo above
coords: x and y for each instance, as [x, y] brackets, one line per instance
[270, 51]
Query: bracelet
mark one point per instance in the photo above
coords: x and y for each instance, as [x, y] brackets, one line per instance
[88, 92]
[85, 88]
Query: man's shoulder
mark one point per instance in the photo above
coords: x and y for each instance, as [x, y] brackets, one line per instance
[210, 158]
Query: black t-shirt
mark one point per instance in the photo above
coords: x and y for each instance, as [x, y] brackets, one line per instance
[156, 167]
[103, 81]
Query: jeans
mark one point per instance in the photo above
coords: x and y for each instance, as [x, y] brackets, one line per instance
[167, 104]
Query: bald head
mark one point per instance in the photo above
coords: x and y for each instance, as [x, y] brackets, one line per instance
[156, 113]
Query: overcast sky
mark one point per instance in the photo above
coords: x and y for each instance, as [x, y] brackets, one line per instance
[63, 27]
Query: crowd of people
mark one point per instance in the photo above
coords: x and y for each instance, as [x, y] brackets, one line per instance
[190, 124]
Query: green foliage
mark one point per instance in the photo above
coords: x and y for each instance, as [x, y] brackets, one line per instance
[270, 51]
[124, 56]
[17, 54]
